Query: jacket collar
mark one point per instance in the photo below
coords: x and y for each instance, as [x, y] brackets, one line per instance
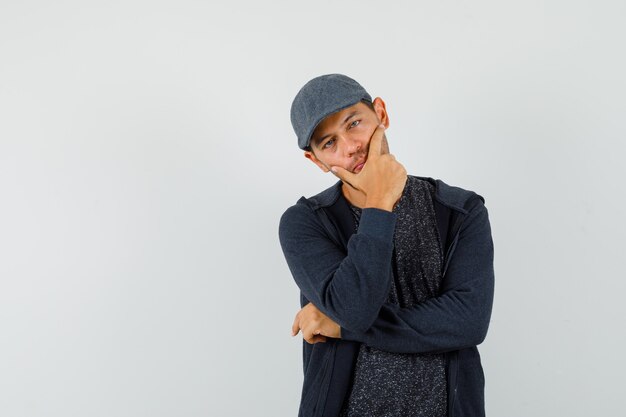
[450, 196]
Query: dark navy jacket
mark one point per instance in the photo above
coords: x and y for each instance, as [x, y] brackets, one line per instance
[348, 276]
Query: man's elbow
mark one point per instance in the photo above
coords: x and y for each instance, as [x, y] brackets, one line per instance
[356, 312]
[359, 320]
[477, 330]
[480, 336]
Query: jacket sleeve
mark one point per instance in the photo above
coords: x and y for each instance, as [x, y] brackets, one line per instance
[348, 287]
[459, 316]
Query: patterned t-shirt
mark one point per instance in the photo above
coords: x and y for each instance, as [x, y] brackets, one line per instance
[405, 384]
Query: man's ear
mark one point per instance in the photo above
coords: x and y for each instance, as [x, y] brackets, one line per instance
[311, 156]
[381, 111]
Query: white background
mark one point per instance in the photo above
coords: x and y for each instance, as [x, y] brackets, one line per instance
[146, 156]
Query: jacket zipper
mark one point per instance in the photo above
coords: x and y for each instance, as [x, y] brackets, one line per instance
[456, 359]
[319, 408]
[456, 383]
[451, 249]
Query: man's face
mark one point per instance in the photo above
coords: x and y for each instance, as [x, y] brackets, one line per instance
[342, 138]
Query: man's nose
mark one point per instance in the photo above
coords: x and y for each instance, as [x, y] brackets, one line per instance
[352, 146]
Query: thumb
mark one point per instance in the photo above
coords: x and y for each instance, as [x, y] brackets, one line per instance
[344, 175]
[384, 147]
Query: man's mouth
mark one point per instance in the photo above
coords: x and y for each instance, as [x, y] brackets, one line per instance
[358, 167]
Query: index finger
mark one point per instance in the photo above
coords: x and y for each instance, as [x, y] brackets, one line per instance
[376, 148]
[295, 327]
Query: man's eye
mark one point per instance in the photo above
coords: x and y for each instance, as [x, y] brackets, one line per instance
[329, 143]
[355, 123]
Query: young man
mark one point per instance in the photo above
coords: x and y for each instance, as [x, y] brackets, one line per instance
[395, 271]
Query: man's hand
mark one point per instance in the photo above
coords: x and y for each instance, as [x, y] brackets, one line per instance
[315, 325]
[382, 178]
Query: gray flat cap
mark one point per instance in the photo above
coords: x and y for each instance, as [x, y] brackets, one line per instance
[321, 97]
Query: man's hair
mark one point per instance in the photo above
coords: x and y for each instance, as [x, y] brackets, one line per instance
[367, 103]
